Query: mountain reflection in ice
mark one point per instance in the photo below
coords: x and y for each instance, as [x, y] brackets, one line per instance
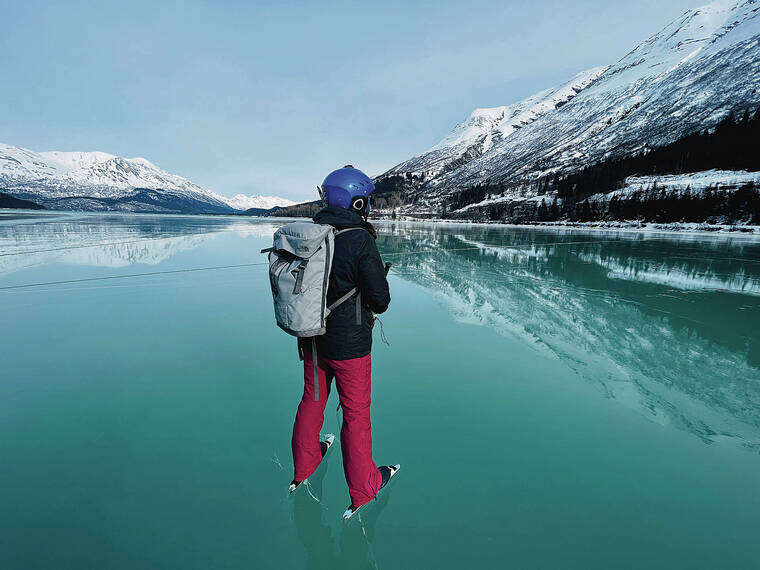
[111, 240]
[665, 325]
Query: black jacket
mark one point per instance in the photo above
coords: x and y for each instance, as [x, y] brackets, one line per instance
[356, 263]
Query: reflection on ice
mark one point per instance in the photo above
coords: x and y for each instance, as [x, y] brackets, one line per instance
[111, 240]
[665, 326]
[677, 273]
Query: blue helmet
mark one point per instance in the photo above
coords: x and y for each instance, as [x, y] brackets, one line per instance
[348, 188]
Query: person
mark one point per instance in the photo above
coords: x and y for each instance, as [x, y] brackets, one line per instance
[343, 353]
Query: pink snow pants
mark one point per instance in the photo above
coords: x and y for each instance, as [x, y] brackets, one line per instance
[353, 379]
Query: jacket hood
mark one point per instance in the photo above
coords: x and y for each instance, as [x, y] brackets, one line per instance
[339, 218]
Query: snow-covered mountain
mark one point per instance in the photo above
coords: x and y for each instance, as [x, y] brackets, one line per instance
[485, 128]
[102, 181]
[685, 78]
[243, 202]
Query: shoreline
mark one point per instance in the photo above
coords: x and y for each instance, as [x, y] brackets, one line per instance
[630, 226]
[670, 228]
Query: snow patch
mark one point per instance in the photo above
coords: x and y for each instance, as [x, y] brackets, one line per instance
[243, 202]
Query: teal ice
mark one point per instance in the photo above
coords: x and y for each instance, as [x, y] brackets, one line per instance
[557, 398]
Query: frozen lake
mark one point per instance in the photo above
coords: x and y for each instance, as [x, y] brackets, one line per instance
[558, 399]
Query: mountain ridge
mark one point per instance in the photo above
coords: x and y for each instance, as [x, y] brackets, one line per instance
[689, 76]
[102, 181]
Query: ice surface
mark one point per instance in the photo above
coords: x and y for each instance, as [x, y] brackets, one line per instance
[606, 404]
[619, 309]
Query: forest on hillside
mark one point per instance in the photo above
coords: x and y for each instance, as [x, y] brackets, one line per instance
[8, 201]
[730, 145]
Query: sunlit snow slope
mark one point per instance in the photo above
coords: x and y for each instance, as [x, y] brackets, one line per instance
[686, 77]
[101, 181]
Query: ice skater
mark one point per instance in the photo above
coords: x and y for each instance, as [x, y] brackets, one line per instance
[343, 352]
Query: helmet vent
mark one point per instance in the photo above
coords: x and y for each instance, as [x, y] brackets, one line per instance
[348, 166]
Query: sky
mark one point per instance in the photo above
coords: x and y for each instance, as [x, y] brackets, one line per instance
[268, 97]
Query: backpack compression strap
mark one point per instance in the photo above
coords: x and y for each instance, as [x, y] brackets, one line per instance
[316, 368]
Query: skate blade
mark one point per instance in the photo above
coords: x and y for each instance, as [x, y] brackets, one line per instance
[351, 512]
[329, 439]
[292, 488]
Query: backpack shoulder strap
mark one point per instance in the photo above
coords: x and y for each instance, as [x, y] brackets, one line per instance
[344, 230]
[352, 292]
[343, 299]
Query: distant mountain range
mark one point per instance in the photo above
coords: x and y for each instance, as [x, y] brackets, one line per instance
[102, 181]
[589, 136]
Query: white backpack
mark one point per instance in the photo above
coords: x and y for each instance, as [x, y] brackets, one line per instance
[300, 261]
